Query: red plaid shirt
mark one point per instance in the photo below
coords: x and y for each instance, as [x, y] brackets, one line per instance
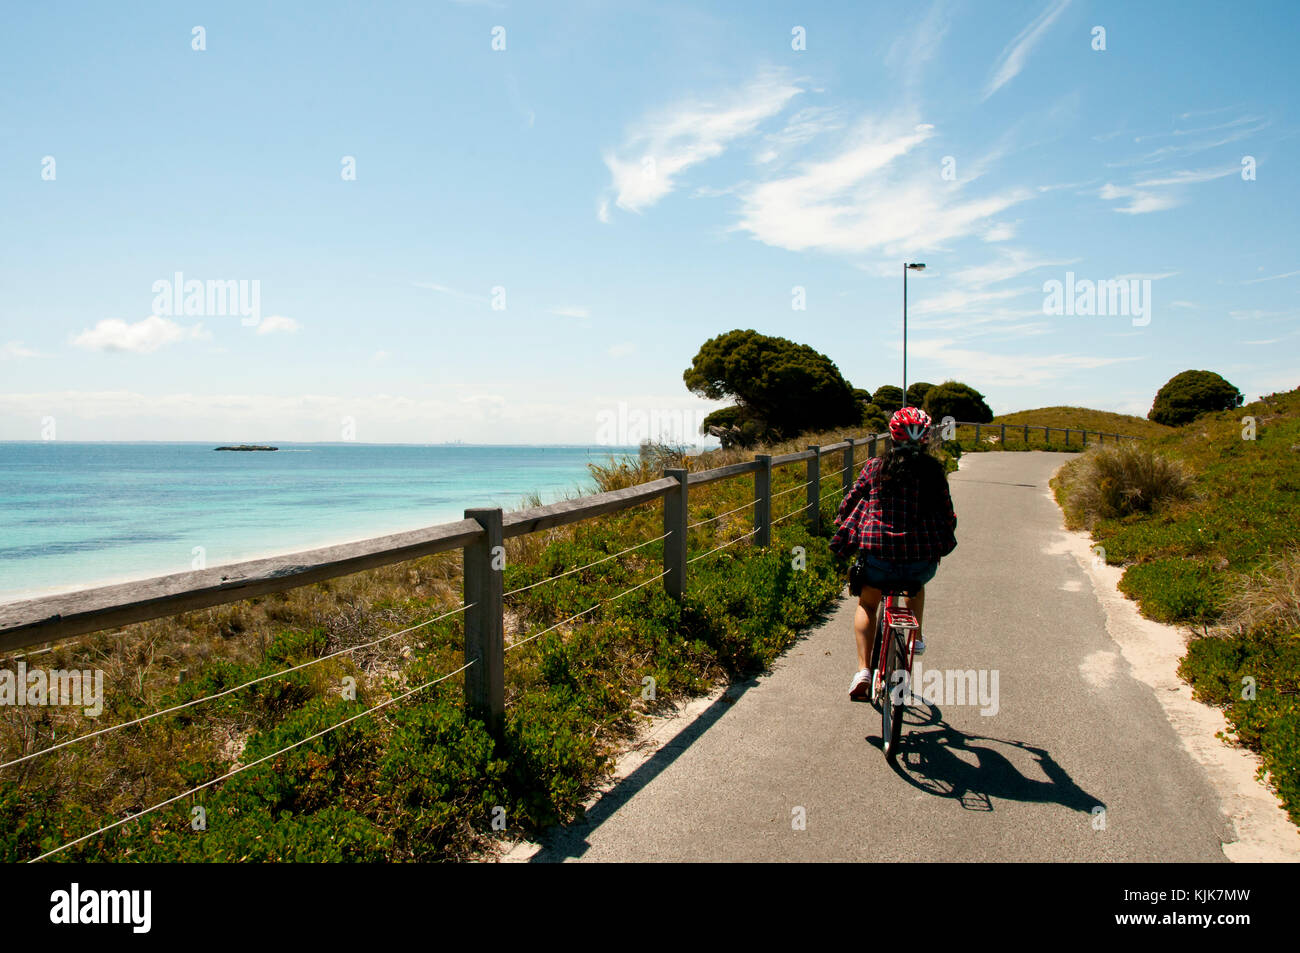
[894, 529]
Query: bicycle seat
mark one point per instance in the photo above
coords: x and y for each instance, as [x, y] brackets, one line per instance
[902, 589]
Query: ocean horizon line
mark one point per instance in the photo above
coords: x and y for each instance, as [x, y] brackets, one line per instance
[340, 443]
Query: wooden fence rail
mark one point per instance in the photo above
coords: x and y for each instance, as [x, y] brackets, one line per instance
[1047, 433]
[480, 535]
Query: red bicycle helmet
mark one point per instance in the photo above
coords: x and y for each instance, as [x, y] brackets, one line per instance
[909, 425]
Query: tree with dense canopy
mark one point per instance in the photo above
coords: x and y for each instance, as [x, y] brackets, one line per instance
[1190, 394]
[916, 393]
[957, 400]
[888, 398]
[781, 388]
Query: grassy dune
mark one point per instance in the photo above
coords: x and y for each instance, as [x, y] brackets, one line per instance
[1058, 418]
[1081, 418]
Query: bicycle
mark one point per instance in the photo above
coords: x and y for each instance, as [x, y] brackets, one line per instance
[896, 632]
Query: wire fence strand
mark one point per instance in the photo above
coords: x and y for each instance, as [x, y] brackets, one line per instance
[744, 506]
[578, 615]
[569, 572]
[251, 764]
[792, 489]
[229, 691]
[722, 547]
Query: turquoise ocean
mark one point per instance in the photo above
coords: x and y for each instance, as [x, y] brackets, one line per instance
[80, 514]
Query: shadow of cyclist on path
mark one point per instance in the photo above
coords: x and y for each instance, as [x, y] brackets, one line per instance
[974, 769]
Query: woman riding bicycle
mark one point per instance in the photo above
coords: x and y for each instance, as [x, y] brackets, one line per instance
[899, 520]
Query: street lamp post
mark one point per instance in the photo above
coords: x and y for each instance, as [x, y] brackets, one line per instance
[913, 266]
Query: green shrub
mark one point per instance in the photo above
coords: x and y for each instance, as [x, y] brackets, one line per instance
[1220, 668]
[1175, 590]
[959, 401]
[1190, 394]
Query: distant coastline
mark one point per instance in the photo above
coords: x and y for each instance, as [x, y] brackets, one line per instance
[247, 446]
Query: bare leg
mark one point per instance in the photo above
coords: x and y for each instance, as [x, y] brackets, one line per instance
[916, 603]
[864, 625]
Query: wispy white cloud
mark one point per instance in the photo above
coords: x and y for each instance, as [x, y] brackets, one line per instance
[1195, 113]
[1286, 274]
[143, 337]
[1161, 192]
[1011, 263]
[1012, 60]
[16, 350]
[1188, 177]
[569, 311]
[800, 129]
[1165, 153]
[1139, 201]
[913, 50]
[1002, 368]
[859, 200]
[1255, 314]
[1000, 232]
[451, 292]
[659, 148]
[278, 324]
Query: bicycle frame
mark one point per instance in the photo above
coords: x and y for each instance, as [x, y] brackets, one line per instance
[897, 617]
[896, 622]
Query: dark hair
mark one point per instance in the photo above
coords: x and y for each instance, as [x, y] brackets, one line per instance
[912, 464]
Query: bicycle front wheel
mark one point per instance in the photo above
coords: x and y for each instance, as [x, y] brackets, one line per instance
[893, 704]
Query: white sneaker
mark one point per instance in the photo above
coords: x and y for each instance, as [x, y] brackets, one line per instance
[860, 685]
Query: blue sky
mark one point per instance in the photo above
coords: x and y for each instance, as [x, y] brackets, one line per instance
[628, 180]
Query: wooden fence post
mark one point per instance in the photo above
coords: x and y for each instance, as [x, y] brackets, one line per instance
[1067, 436]
[814, 488]
[871, 446]
[849, 477]
[763, 500]
[1085, 438]
[485, 686]
[675, 508]
[1002, 440]
[977, 434]
[1026, 435]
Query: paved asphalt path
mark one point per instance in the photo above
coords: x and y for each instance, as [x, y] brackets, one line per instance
[1073, 731]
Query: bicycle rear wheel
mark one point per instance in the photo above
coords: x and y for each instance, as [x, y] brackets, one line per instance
[893, 704]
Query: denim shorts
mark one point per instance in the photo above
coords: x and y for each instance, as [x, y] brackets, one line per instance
[886, 576]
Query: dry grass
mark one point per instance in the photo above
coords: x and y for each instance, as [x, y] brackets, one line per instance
[144, 663]
[1115, 481]
[1267, 597]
